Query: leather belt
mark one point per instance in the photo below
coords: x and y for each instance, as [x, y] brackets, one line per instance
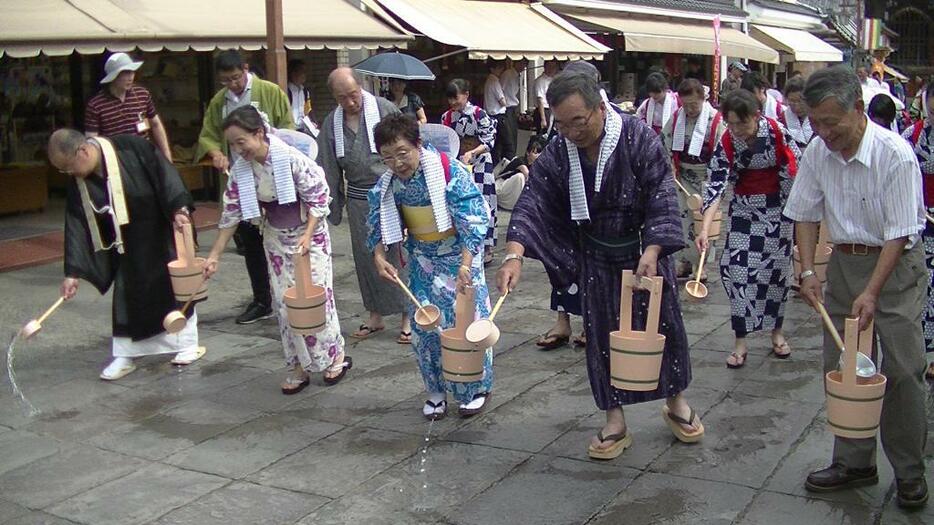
[857, 249]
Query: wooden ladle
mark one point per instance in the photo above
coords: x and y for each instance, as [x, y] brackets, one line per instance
[483, 333]
[696, 288]
[694, 201]
[35, 325]
[175, 321]
[427, 317]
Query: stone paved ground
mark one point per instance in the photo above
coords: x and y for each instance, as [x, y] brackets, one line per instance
[217, 443]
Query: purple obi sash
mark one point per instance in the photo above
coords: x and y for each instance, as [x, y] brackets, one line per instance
[283, 216]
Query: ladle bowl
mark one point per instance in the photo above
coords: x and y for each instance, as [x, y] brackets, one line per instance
[30, 329]
[482, 333]
[174, 322]
[428, 317]
[696, 289]
[865, 367]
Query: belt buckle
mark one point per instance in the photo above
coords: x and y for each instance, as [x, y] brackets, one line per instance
[864, 248]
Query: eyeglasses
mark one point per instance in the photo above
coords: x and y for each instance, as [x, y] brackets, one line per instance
[398, 158]
[576, 124]
[226, 81]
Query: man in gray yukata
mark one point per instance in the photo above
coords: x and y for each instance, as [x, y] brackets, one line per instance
[350, 157]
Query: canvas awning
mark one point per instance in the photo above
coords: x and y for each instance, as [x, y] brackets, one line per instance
[675, 37]
[801, 45]
[497, 29]
[59, 27]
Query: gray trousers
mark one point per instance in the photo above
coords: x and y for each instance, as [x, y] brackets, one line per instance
[379, 295]
[898, 325]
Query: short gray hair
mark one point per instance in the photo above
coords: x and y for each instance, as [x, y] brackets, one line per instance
[568, 83]
[839, 82]
[66, 141]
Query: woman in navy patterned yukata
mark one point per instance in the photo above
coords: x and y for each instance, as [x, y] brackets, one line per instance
[921, 137]
[477, 131]
[759, 158]
[438, 199]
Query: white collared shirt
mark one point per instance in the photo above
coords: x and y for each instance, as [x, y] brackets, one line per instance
[510, 82]
[872, 198]
[233, 101]
[541, 89]
[493, 96]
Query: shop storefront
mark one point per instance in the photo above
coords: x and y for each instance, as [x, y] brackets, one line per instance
[678, 36]
[49, 71]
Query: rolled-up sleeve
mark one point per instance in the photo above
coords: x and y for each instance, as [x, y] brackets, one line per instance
[806, 200]
[903, 202]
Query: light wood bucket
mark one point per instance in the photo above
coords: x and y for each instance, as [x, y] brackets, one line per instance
[636, 357]
[305, 302]
[854, 405]
[186, 271]
[461, 362]
[715, 226]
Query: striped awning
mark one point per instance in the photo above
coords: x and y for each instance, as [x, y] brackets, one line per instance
[60, 27]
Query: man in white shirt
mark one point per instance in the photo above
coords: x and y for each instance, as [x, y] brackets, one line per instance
[494, 102]
[542, 111]
[509, 79]
[862, 180]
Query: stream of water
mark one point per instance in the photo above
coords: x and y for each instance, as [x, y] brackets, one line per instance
[29, 407]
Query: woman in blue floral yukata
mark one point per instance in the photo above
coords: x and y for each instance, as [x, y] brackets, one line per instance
[284, 191]
[477, 131]
[446, 257]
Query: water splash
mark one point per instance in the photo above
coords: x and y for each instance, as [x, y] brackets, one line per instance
[29, 407]
[424, 501]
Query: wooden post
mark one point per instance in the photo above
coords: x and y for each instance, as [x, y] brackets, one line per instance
[275, 44]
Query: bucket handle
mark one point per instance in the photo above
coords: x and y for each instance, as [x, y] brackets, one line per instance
[302, 266]
[185, 245]
[654, 285]
[856, 341]
[464, 312]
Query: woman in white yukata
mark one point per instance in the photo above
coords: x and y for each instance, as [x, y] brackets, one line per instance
[291, 191]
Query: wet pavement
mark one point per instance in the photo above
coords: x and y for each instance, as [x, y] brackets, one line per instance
[216, 443]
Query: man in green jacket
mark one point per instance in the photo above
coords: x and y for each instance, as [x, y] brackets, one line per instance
[240, 89]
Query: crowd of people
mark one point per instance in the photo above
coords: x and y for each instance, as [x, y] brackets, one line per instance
[594, 194]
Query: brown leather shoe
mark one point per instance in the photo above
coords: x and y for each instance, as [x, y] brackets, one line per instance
[839, 477]
[912, 493]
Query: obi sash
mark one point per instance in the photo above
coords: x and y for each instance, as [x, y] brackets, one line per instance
[757, 181]
[283, 216]
[420, 221]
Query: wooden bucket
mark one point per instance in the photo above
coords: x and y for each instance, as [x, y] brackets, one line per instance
[636, 357]
[305, 302]
[186, 271]
[460, 361]
[854, 405]
[715, 226]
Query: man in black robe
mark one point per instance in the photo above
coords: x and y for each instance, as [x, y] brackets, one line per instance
[129, 250]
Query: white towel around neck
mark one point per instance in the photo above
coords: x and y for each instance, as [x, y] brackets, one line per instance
[667, 109]
[390, 222]
[613, 128]
[771, 107]
[281, 160]
[370, 120]
[800, 131]
[699, 134]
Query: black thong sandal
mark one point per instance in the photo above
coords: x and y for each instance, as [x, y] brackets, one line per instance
[551, 341]
[345, 366]
[367, 331]
[782, 346]
[739, 358]
[438, 410]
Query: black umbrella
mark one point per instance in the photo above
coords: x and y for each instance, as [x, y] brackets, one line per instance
[395, 65]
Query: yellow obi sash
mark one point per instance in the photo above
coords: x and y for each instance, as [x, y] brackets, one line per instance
[420, 221]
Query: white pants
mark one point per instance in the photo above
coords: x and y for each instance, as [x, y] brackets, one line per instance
[164, 343]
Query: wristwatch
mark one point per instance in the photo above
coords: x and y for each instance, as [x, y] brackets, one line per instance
[805, 274]
[511, 256]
